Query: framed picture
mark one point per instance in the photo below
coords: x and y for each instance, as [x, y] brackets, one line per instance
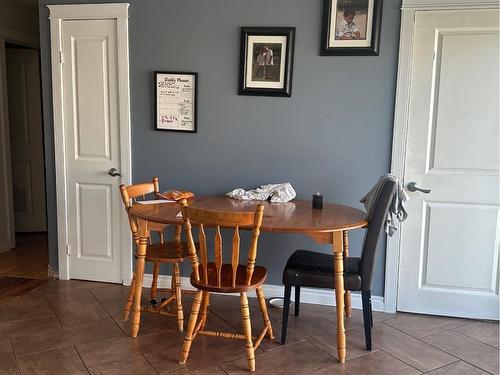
[351, 27]
[266, 61]
[176, 101]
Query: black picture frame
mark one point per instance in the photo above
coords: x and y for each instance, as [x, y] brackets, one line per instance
[285, 80]
[173, 74]
[372, 50]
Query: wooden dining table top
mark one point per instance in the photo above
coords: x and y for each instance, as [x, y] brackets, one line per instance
[296, 216]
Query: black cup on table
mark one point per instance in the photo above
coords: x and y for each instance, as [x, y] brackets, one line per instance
[317, 201]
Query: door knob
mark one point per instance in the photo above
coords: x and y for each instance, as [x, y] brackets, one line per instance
[113, 172]
[412, 186]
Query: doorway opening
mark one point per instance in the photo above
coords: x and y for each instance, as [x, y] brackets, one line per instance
[28, 260]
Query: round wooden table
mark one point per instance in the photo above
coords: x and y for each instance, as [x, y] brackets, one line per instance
[329, 225]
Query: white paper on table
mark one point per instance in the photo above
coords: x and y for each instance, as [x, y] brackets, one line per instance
[155, 201]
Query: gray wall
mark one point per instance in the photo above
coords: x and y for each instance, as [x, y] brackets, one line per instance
[333, 135]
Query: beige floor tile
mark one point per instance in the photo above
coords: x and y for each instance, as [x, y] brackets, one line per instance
[58, 361]
[132, 366]
[377, 363]
[424, 325]
[8, 365]
[407, 349]
[66, 336]
[486, 332]
[300, 358]
[458, 368]
[468, 349]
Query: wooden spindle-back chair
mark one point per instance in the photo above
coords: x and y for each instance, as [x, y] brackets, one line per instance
[216, 276]
[164, 252]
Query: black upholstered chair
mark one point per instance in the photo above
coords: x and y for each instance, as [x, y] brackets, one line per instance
[311, 269]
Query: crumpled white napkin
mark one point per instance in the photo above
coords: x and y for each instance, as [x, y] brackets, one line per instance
[274, 192]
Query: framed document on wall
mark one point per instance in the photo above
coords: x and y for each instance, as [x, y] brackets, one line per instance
[176, 101]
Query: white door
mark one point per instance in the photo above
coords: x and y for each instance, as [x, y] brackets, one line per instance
[91, 126]
[26, 139]
[449, 249]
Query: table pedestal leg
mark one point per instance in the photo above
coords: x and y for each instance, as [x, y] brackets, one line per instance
[347, 294]
[142, 244]
[338, 266]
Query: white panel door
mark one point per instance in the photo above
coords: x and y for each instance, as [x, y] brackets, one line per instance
[26, 139]
[91, 125]
[449, 249]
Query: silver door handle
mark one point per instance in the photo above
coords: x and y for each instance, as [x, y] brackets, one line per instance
[113, 172]
[412, 186]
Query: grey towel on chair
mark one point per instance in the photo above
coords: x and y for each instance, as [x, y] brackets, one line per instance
[397, 209]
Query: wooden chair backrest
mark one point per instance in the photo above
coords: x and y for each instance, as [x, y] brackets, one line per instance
[133, 193]
[235, 220]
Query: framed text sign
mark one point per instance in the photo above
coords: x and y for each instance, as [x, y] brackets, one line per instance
[175, 101]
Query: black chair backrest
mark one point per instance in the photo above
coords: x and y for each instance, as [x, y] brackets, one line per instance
[375, 229]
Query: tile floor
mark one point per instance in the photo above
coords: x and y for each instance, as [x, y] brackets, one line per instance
[75, 327]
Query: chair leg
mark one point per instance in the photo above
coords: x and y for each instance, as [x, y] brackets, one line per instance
[205, 301]
[286, 308]
[371, 312]
[297, 300]
[263, 310]
[247, 330]
[191, 326]
[178, 296]
[130, 299]
[154, 284]
[366, 296]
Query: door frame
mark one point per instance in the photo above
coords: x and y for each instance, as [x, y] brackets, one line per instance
[31, 41]
[58, 14]
[409, 9]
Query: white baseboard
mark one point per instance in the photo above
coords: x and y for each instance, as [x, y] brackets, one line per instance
[307, 295]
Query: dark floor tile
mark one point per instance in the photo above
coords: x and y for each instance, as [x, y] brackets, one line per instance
[66, 336]
[300, 358]
[8, 365]
[97, 353]
[424, 325]
[70, 286]
[377, 363]
[112, 293]
[407, 349]
[467, 349]
[323, 333]
[77, 307]
[59, 361]
[30, 325]
[458, 368]
[486, 332]
[30, 305]
[132, 366]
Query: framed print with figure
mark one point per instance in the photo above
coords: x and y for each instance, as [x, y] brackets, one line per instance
[176, 101]
[266, 61]
[351, 27]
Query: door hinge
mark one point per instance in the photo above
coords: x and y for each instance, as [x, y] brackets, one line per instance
[61, 60]
[68, 249]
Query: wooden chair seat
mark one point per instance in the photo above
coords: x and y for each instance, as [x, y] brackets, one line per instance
[226, 278]
[167, 252]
